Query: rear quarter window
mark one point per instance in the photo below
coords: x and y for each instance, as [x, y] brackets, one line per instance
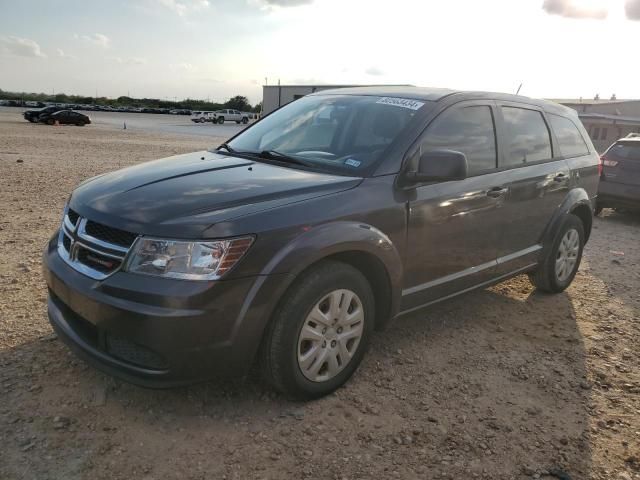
[570, 140]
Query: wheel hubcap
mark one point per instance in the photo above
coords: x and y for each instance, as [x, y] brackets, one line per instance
[330, 335]
[567, 255]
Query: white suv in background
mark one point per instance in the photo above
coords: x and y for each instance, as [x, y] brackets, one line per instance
[229, 115]
[201, 117]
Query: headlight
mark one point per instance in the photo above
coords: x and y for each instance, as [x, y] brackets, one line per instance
[187, 260]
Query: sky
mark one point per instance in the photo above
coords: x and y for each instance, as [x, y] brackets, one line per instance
[216, 49]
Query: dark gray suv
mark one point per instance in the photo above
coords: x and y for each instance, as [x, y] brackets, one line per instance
[620, 180]
[287, 246]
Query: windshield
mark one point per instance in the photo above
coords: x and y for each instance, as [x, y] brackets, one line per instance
[336, 132]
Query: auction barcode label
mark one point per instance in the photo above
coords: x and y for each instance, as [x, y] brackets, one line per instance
[401, 102]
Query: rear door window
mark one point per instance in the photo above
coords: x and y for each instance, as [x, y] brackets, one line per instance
[570, 139]
[469, 130]
[527, 137]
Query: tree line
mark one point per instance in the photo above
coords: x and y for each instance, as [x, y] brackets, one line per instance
[239, 102]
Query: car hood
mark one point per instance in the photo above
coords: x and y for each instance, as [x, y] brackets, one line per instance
[182, 196]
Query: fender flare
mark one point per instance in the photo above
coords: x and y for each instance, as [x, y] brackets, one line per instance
[326, 240]
[335, 238]
[576, 198]
[312, 246]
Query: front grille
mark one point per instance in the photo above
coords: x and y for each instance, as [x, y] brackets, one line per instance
[109, 234]
[73, 217]
[92, 248]
[130, 352]
[97, 261]
[66, 242]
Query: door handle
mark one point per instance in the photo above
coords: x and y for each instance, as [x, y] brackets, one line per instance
[497, 192]
[560, 177]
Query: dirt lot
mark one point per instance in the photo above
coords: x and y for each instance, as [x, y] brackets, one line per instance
[502, 383]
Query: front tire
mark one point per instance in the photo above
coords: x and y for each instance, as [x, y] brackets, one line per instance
[221, 120]
[560, 265]
[245, 120]
[319, 333]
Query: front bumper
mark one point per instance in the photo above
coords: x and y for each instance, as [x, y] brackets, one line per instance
[159, 332]
[613, 194]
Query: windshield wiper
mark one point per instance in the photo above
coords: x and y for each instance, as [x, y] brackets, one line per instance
[226, 147]
[282, 157]
[266, 154]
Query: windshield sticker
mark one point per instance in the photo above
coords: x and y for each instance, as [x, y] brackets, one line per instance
[401, 102]
[352, 162]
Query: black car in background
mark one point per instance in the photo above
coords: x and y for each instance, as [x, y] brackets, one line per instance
[34, 115]
[65, 117]
[620, 179]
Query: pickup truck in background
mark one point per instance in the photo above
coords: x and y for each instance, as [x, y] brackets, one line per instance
[229, 115]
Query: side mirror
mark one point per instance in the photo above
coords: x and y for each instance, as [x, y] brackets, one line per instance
[440, 166]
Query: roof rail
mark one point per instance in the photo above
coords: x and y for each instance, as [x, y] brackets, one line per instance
[633, 135]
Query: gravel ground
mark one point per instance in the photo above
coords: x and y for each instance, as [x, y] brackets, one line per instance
[499, 384]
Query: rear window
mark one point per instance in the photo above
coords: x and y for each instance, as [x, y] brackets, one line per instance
[527, 136]
[570, 140]
[625, 150]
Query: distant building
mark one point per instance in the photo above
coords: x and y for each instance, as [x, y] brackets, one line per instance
[606, 120]
[274, 96]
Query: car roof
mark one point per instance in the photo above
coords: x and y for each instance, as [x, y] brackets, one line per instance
[414, 93]
[629, 139]
[437, 94]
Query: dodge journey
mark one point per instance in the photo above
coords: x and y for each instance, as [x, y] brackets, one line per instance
[285, 248]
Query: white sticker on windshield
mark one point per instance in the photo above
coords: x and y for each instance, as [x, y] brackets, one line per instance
[401, 102]
[352, 162]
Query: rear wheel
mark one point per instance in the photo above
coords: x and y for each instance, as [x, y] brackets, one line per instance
[51, 121]
[598, 210]
[320, 332]
[245, 120]
[560, 265]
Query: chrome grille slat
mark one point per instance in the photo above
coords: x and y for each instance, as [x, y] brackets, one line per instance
[82, 233]
[87, 254]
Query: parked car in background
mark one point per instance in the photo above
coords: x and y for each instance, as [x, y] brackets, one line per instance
[66, 117]
[287, 246]
[201, 116]
[34, 115]
[229, 115]
[620, 177]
